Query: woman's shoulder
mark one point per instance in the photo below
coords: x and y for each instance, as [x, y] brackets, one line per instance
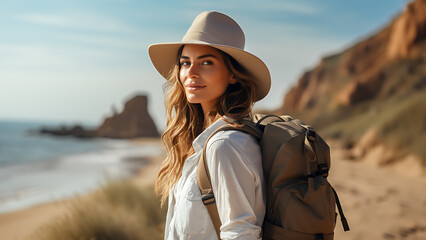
[242, 148]
[233, 138]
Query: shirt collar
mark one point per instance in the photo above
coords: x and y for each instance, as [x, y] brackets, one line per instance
[202, 138]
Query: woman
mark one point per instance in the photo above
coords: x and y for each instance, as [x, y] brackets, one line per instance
[212, 81]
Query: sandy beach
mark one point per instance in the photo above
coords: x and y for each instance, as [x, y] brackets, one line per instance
[22, 224]
[379, 203]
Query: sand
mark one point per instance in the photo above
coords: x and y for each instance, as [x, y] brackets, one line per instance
[21, 225]
[379, 203]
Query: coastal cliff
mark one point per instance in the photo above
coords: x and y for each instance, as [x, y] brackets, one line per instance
[373, 94]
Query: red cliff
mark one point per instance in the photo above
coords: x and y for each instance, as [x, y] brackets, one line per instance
[378, 83]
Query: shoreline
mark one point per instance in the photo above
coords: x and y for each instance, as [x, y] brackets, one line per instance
[32, 183]
[21, 224]
[378, 202]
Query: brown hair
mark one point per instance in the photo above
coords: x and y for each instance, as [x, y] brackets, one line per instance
[185, 121]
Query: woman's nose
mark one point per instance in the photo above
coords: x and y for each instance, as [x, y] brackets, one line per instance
[193, 71]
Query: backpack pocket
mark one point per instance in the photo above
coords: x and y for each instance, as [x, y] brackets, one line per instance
[304, 209]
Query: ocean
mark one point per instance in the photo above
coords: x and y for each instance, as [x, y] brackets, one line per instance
[36, 168]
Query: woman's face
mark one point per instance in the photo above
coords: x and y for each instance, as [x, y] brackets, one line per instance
[204, 75]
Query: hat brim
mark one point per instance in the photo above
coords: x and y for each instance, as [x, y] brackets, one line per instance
[164, 57]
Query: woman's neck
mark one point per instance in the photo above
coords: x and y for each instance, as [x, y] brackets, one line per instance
[210, 114]
[209, 119]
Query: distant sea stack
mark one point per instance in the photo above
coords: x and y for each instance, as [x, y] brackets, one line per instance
[376, 87]
[77, 131]
[134, 121]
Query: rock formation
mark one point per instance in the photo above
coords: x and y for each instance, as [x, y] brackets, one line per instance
[380, 82]
[75, 131]
[407, 31]
[133, 122]
[365, 71]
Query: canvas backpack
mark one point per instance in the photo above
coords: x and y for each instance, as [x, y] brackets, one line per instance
[300, 202]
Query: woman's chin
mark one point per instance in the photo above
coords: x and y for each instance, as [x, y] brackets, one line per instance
[194, 98]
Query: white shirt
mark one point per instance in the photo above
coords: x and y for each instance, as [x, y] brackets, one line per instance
[235, 164]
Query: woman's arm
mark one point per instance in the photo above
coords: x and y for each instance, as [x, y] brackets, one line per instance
[234, 162]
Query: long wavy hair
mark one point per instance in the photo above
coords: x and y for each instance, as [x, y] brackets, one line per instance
[185, 121]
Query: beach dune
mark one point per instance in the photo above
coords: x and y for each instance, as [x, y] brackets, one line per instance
[379, 203]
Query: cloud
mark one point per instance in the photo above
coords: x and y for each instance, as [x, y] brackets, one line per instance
[77, 21]
[41, 58]
[288, 6]
[30, 56]
[117, 42]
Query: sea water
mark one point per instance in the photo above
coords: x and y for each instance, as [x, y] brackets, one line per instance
[37, 168]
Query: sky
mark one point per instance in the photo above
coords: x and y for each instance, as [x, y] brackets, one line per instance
[73, 61]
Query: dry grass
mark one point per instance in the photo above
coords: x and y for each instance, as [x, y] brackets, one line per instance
[400, 121]
[394, 106]
[117, 211]
[404, 125]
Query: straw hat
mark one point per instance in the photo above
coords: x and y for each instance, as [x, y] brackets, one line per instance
[219, 31]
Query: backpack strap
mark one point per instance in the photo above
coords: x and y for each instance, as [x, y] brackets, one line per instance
[261, 119]
[342, 216]
[311, 138]
[203, 174]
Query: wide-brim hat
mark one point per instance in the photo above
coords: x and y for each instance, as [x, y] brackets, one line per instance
[219, 31]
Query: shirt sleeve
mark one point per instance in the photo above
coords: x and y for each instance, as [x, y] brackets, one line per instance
[236, 174]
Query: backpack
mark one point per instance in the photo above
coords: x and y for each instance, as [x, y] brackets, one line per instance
[300, 202]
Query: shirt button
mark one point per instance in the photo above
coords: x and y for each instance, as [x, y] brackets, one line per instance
[190, 194]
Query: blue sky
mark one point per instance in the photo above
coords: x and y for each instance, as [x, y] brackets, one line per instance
[70, 61]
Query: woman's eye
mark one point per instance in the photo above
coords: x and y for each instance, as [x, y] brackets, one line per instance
[186, 63]
[207, 62]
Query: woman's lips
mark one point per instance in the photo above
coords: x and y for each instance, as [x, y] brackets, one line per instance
[194, 87]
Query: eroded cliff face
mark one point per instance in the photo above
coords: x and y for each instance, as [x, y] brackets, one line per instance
[377, 83]
[407, 31]
[365, 71]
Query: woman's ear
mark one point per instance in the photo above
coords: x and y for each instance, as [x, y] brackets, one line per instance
[233, 80]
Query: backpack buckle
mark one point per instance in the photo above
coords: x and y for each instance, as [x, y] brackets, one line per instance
[319, 236]
[208, 199]
[322, 170]
[311, 135]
